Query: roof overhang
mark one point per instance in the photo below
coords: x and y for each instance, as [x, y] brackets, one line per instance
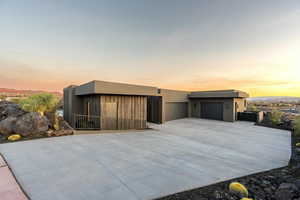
[219, 94]
[103, 87]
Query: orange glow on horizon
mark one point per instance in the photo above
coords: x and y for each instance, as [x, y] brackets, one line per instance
[253, 88]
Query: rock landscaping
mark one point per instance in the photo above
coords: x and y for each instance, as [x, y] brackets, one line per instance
[283, 121]
[29, 125]
[277, 184]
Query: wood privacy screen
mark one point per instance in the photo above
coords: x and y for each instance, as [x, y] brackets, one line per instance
[123, 112]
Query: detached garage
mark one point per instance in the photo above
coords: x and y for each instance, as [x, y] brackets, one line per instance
[218, 105]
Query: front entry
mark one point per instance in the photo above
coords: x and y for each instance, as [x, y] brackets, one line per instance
[212, 110]
[154, 109]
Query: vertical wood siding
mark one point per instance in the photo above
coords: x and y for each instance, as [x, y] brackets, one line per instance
[94, 105]
[131, 112]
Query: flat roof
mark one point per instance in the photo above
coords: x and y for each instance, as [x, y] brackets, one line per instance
[219, 94]
[104, 87]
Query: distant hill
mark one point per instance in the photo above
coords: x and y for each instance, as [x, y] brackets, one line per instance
[16, 92]
[275, 99]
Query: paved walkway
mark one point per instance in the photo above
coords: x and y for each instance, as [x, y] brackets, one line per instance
[9, 188]
[177, 156]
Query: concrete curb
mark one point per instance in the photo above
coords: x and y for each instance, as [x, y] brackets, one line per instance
[10, 189]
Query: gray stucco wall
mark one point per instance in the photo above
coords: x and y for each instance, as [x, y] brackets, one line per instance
[176, 110]
[174, 104]
[72, 104]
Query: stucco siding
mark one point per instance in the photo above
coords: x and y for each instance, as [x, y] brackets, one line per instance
[176, 110]
[174, 95]
[174, 104]
[72, 104]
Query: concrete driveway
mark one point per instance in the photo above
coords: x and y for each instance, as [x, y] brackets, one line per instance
[177, 156]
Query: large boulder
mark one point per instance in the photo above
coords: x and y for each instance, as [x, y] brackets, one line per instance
[10, 109]
[53, 119]
[6, 126]
[30, 124]
[63, 128]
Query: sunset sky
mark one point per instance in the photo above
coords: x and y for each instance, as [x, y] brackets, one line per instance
[251, 45]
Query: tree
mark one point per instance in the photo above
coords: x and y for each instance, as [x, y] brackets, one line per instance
[296, 125]
[41, 103]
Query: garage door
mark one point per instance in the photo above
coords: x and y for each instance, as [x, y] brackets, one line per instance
[176, 110]
[212, 110]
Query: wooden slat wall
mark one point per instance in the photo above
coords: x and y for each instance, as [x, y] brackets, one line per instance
[131, 112]
[94, 101]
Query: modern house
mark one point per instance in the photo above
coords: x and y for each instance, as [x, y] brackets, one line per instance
[109, 106]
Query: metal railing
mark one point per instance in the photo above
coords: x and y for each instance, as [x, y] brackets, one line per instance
[86, 122]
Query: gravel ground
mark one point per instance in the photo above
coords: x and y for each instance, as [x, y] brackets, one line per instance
[277, 184]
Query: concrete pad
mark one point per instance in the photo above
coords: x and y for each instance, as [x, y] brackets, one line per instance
[176, 156]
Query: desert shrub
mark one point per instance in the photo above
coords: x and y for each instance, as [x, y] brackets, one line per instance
[2, 97]
[296, 125]
[252, 108]
[275, 117]
[41, 103]
[16, 100]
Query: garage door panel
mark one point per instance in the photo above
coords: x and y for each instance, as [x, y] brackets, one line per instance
[176, 110]
[212, 110]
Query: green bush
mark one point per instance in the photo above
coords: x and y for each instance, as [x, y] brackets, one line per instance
[296, 125]
[41, 103]
[252, 108]
[275, 117]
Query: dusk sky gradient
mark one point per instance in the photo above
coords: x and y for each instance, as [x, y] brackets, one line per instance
[251, 45]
